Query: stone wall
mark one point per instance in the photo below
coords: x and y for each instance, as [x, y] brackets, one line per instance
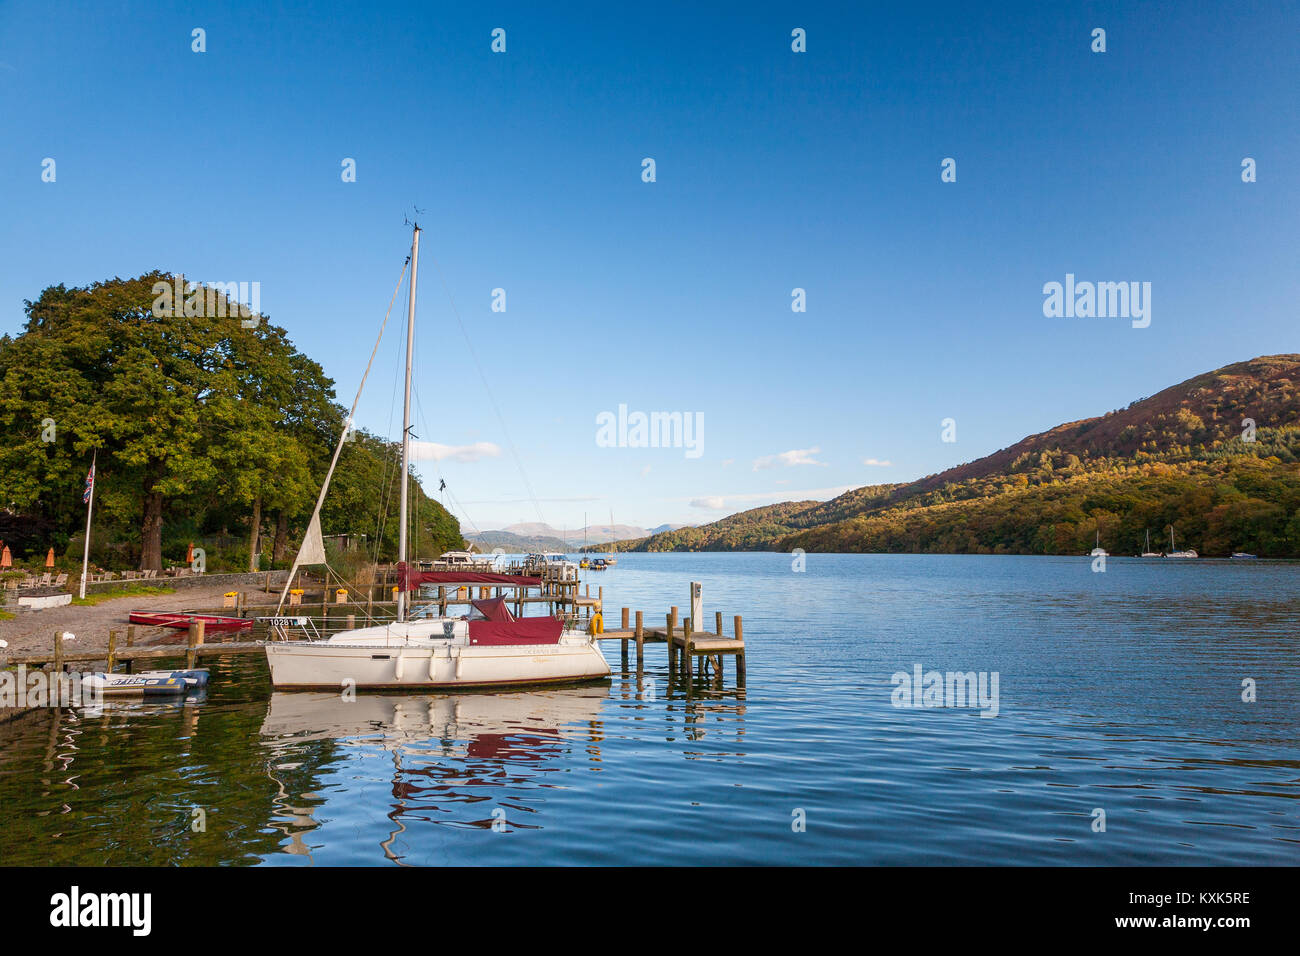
[254, 580]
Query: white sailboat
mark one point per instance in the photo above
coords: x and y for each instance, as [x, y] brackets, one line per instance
[428, 652]
[1147, 552]
[1174, 552]
[1098, 550]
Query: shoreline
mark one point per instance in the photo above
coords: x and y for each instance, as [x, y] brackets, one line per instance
[32, 632]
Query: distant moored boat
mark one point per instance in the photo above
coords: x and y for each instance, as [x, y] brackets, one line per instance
[1174, 553]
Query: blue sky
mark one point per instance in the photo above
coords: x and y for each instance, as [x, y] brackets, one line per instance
[774, 170]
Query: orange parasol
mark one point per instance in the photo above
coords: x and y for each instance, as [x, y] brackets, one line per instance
[49, 559]
[6, 559]
[189, 554]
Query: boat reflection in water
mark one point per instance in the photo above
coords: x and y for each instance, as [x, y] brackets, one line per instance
[472, 760]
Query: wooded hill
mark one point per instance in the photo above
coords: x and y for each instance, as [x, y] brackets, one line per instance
[1184, 457]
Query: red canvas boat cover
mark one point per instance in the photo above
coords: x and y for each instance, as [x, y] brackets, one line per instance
[524, 630]
[494, 609]
[409, 580]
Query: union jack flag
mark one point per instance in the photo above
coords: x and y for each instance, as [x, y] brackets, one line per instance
[90, 485]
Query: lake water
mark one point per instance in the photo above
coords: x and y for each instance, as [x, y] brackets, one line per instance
[1117, 693]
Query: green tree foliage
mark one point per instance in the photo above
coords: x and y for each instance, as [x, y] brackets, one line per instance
[197, 417]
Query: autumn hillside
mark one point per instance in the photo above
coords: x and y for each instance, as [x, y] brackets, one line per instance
[1185, 457]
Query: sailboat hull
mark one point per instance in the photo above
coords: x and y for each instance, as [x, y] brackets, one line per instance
[328, 666]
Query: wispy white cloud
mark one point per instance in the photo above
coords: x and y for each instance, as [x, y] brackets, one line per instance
[712, 503]
[877, 463]
[432, 451]
[785, 459]
[721, 502]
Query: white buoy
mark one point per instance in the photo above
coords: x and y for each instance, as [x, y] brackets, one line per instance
[69, 636]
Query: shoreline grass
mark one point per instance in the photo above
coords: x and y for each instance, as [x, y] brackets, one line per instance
[90, 600]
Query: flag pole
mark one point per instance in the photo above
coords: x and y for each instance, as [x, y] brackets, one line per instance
[90, 507]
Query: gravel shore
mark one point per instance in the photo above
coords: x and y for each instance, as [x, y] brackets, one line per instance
[33, 631]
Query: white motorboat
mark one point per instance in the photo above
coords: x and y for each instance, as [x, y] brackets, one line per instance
[497, 650]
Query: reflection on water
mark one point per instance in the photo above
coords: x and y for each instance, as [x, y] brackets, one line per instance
[473, 761]
[449, 753]
[1119, 691]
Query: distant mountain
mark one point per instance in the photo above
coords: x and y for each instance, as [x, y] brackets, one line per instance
[660, 529]
[595, 533]
[1185, 457]
[488, 541]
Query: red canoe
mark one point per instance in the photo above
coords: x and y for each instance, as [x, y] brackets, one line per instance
[180, 619]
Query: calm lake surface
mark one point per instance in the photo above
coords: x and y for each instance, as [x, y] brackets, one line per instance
[1118, 692]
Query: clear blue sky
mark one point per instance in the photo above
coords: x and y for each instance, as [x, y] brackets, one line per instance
[775, 170]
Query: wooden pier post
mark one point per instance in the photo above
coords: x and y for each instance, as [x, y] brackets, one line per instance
[640, 644]
[718, 658]
[130, 635]
[687, 663]
[740, 658]
[112, 651]
[624, 641]
[58, 651]
[442, 600]
[672, 652]
[195, 640]
[352, 622]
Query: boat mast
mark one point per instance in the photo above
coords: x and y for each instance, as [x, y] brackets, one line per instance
[406, 417]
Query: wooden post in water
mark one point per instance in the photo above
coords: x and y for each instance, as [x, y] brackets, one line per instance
[640, 644]
[352, 622]
[672, 653]
[195, 640]
[442, 600]
[687, 663]
[112, 651]
[58, 651]
[717, 658]
[624, 641]
[740, 658]
[672, 648]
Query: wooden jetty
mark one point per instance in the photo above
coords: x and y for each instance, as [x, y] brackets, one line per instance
[692, 651]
